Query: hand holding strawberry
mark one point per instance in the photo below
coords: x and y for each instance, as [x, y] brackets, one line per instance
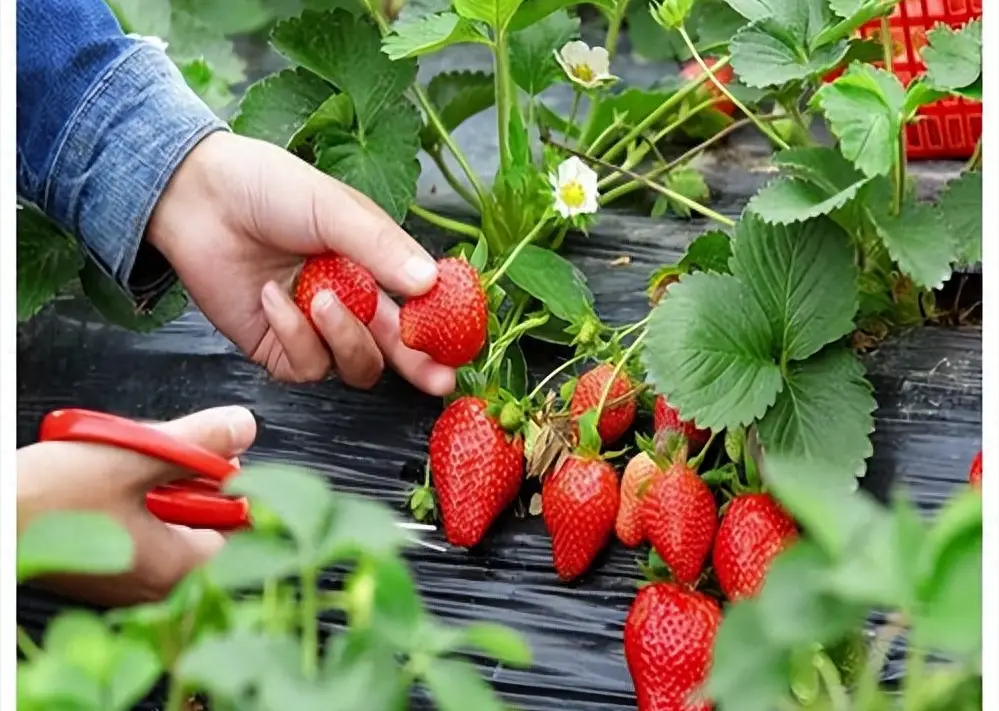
[352, 284]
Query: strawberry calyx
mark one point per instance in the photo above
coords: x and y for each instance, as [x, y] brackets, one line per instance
[653, 570]
[421, 500]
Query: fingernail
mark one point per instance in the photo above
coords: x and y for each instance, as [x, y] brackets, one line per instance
[324, 305]
[242, 427]
[420, 271]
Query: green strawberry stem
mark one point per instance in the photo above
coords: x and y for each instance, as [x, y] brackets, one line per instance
[509, 337]
[832, 681]
[879, 649]
[309, 609]
[501, 70]
[445, 223]
[767, 131]
[598, 142]
[976, 158]
[695, 206]
[547, 379]
[26, 644]
[663, 109]
[571, 123]
[628, 330]
[632, 349]
[452, 180]
[530, 237]
[635, 157]
[696, 461]
[633, 185]
[432, 117]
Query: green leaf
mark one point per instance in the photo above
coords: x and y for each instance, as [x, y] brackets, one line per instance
[709, 252]
[302, 500]
[789, 200]
[495, 13]
[795, 609]
[479, 256]
[114, 305]
[382, 162]
[857, 13]
[277, 108]
[960, 208]
[347, 52]
[554, 281]
[430, 34]
[134, 671]
[917, 239]
[499, 642]
[48, 682]
[144, 17]
[513, 371]
[73, 542]
[651, 41]
[748, 672]
[710, 349]
[229, 665]
[457, 96]
[803, 276]
[192, 39]
[949, 611]
[824, 412]
[552, 331]
[917, 95]
[953, 57]
[47, 260]
[83, 640]
[396, 610]
[229, 17]
[766, 54]
[632, 106]
[248, 559]
[360, 527]
[530, 12]
[532, 52]
[864, 109]
[210, 87]
[456, 686]
[714, 23]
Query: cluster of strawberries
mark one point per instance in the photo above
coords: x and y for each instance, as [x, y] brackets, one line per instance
[477, 464]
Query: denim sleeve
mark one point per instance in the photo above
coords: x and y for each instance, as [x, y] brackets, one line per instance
[103, 121]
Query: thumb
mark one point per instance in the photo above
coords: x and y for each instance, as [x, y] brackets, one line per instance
[225, 431]
[165, 553]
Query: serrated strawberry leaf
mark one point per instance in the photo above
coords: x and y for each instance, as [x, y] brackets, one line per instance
[804, 278]
[687, 182]
[709, 252]
[144, 17]
[115, 306]
[710, 349]
[631, 105]
[788, 200]
[767, 53]
[47, 260]
[531, 12]
[382, 162]
[457, 96]
[953, 57]
[554, 281]
[916, 238]
[495, 13]
[854, 14]
[429, 34]
[960, 208]
[191, 38]
[532, 52]
[864, 109]
[278, 108]
[824, 413]
[346, 51]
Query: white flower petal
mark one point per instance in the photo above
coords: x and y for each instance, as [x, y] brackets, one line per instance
[576, 52]
[599, 61]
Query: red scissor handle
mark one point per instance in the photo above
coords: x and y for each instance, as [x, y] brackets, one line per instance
[191, 502]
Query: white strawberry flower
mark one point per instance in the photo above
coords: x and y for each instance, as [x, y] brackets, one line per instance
[151, 39]
[575, 187]
[588, 67]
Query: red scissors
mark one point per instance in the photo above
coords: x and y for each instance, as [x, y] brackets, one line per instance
[197, 502]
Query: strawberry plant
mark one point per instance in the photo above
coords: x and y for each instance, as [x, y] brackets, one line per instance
[242, 632]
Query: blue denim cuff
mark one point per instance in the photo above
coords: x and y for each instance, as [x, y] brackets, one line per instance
[121, 146]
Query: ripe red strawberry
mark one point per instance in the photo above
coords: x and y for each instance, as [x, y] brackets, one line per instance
[754, 530]
[476, 467]
[628, 526]
[669, 635]
[579, 503]
[664, 416]
[679, 517]
[614, 421]
[448, 323]
[975, 472]
[353, 285]
[691, 70]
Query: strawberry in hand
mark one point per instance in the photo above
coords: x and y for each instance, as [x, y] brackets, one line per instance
[449, 322]
[352, 284]
[579, 503]
[476, 467]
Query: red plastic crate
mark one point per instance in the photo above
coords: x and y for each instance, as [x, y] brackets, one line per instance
[949, 128]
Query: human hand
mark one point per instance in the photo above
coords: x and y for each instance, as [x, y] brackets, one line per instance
[237, 221]
[55, 476]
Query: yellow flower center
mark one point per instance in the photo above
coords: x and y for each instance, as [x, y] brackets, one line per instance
[572, 194]
[583, 72]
